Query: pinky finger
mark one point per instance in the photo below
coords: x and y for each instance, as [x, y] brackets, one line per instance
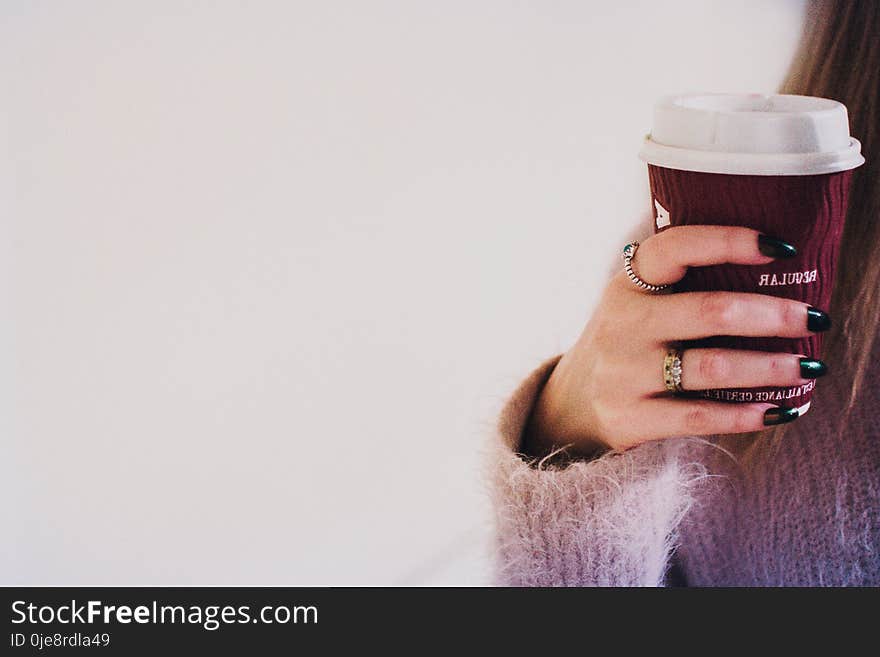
[684, 417]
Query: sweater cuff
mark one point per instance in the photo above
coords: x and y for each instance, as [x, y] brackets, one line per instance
[611, 521]
[518, 409]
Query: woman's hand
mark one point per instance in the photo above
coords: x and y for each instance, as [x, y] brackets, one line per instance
[608, 390]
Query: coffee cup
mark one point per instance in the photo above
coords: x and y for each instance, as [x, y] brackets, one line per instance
[781, 164]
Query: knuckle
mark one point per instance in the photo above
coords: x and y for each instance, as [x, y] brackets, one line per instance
[777, 366]
[740, 421]
[641, 317]
[713, 367]
[697, 421]
[791, 314]
[621, 315]
[720, 311]
[729, 237]
[664, 242]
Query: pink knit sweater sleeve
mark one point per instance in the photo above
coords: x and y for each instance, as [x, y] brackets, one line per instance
[607, 522]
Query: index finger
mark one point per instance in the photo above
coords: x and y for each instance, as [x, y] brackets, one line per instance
[665, 257]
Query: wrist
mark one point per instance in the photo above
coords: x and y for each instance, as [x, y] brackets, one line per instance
[551, 427]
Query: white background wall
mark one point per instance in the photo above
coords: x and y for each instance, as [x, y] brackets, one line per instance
[269, 268]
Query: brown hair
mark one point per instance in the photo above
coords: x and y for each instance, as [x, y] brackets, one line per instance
[839, 58]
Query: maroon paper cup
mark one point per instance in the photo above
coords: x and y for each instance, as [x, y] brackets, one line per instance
[779, 164]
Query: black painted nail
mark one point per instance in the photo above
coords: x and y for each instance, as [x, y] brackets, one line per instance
[813, 369]
[780, 415]
[775, 248]
[817, 320]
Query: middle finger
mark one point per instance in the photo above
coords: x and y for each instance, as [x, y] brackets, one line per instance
[693, 315]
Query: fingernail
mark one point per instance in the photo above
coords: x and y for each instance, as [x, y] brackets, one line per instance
[813, 369]
[775, 248]
[780, 415]
[817, 320]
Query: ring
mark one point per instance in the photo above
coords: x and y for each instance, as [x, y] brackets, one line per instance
[629, 252]
[672, 370]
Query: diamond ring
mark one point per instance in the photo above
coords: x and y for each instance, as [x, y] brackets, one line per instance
[672, 370]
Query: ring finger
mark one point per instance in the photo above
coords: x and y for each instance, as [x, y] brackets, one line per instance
[703, 369]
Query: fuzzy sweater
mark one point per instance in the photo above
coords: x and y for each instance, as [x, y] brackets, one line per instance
[696, 512]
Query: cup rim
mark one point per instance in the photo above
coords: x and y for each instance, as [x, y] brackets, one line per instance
[759, 164]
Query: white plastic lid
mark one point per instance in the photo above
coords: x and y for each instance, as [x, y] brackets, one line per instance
[756, 134]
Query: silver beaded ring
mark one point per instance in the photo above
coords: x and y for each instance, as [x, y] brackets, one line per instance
[629, 252]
